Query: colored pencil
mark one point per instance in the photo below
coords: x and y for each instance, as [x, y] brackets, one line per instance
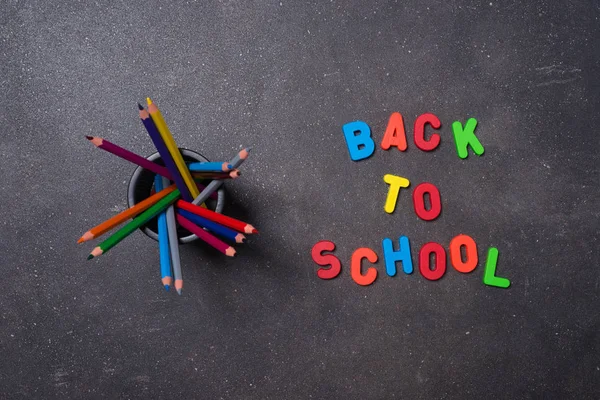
[129, 156]
[164, 152]
[207, 237]
[163, 240]
[138, 221]
[124, 216]
[209, 167]
[174, 246]
[216, 184]
[229, 222]
[214, 227]
[216, 175]
[163, 129]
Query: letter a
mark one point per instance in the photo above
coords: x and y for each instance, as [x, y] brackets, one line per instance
[394, 135]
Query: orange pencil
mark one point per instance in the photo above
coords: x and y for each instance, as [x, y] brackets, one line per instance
[125, 215]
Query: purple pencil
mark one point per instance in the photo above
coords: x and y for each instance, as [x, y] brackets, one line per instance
[164, 152]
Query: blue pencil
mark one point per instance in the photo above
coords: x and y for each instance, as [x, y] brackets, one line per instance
[163, 241]
[161, 147]
[212, 226]
[210, 167]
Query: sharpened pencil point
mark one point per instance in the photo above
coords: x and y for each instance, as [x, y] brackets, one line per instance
[80, 240]
[179, 292]
[148, 100]
[89, 137]
[141, 107]
[167, 287]
[254, 231]
[90, 257]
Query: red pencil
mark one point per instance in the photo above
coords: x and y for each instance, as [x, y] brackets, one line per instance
[224, 220]
[207, 237]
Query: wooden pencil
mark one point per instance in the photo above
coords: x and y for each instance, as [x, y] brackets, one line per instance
[163, 129]
[174, 247]
[138, 221]
[216, 184]
[207, 237]
[163, 240]
[209, 167]
[214, 227]
[165, 155]
[129, 156]
[125, 215]
[229, 222]
[217, 175]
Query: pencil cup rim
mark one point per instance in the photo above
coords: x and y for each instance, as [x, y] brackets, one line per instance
[134, 180]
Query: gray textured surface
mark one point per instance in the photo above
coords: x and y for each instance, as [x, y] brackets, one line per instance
[284, 77]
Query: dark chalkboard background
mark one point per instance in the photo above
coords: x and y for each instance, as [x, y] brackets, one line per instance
[284, 77]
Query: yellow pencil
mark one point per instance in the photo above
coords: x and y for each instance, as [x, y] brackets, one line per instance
[163, 129]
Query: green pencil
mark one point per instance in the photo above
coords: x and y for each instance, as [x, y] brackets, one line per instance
[138, 221]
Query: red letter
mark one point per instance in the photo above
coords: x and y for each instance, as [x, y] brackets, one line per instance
[355, 267]
[456, 257]
[327, 259]
[427, 145]
[434, 199]
[394, 133]
[440, 261]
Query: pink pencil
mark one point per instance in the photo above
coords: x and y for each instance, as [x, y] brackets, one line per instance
[207, 237]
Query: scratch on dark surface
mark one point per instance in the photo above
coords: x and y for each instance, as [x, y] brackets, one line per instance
[553, 82]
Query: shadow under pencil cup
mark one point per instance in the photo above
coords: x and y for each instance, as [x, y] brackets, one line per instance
[140, 188]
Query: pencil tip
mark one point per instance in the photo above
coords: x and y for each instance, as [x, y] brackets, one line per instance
[254, 231]
[89, 137]
[148, 100]
[141, 107]
[167, 287]
[90, 257]
[80, 240]
[179, 292]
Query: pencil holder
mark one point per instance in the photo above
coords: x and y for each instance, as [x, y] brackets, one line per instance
[140, 187]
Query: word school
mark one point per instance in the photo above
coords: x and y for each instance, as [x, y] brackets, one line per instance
[360, 146]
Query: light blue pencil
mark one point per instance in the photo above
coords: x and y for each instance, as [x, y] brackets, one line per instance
[210, 167]
[163, 241]
[174, 244]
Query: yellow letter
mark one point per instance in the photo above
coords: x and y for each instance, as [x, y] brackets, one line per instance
[395, 182]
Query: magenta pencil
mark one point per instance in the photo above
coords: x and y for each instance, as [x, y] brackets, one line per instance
[135, 159]
[129, 156]
[207, 237]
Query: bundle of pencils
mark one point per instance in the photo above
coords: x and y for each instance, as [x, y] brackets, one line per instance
[177, 199]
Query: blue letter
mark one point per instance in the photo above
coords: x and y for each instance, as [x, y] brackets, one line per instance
[360, 145]
[391, 256]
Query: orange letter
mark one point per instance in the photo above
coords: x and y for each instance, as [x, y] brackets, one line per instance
[456, 257]
[394, 133]
[355, 266]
